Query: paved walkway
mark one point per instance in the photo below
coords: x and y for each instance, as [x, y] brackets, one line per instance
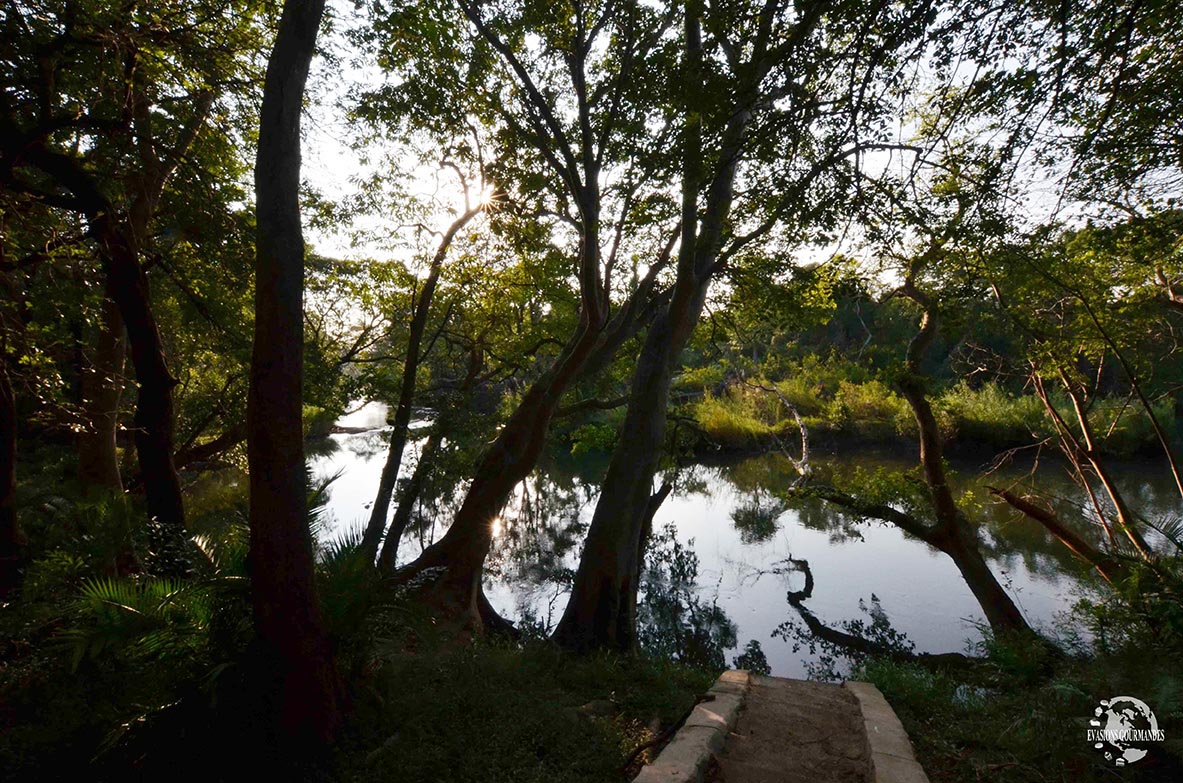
[792, 731]
[754, 729]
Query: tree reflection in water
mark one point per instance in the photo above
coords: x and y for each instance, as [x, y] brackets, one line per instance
[695, 604]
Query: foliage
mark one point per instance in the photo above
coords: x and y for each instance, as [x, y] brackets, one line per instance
[348, 587]
[838, 400]
[154, 620]
[593, 437]
[673, 621]
[832, 662]
[757, 519]
[752, 658]
[727, 422]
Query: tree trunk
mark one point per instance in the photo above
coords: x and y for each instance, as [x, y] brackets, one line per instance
[505, 463]
[1125, 519]
[406, 504]
[12, 541]
[287, 613]
[1001, 612]
[102, 388]
[601, 611]
[652, 507]
[402, 414]
[118, 242]
[952, 533]
[119, 233]
[1110, 569]
[127, 286]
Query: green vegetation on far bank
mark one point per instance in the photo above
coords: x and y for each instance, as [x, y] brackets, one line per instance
[837, 400]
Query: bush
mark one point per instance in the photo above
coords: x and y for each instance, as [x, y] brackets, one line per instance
[731, 420]
[870, 409]
[992, 415]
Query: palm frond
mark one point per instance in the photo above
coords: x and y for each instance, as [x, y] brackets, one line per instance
[1171, 528]
[157, 617]
[225, 555]
[318, 500]
[348, 582]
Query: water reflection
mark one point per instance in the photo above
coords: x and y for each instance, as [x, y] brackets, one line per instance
[735, 521]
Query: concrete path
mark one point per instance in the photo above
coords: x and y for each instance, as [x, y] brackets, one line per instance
[793, 731]
[755, 729]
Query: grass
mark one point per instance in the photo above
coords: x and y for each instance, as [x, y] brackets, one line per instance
[1013, 725]
[1022, 713]
[731, 420]
[869, 409]
[491, 713]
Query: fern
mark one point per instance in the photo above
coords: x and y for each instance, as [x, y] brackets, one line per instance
[150, 617]
[348, 582]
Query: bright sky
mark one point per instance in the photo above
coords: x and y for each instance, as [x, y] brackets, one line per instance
[334, 169]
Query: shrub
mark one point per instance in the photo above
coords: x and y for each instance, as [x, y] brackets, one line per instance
[869, 409]
[992, 415]
[730, 420]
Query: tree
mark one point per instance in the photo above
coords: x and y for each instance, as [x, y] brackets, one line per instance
[554, 159]
[287, 613]
[769, 52]
[12, 540]
[1095, 321]
[402, 416]
[97, 114]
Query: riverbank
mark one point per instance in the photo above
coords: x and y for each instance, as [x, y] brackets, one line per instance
[760, 415]
[1020, 717]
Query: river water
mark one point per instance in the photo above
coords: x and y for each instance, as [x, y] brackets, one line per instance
[919, 588]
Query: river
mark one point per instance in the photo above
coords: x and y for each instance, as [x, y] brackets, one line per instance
[918, 587]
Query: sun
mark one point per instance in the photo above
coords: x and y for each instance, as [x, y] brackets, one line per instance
[491, 197]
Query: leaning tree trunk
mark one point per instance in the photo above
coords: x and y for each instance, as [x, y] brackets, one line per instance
[1111, 569]
[388, 557]
[507, 461]
[406, 504]
[287, 612]
[1001, 612]
[951, 532]
[102, 388]
[406, 396]
[11, 539]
